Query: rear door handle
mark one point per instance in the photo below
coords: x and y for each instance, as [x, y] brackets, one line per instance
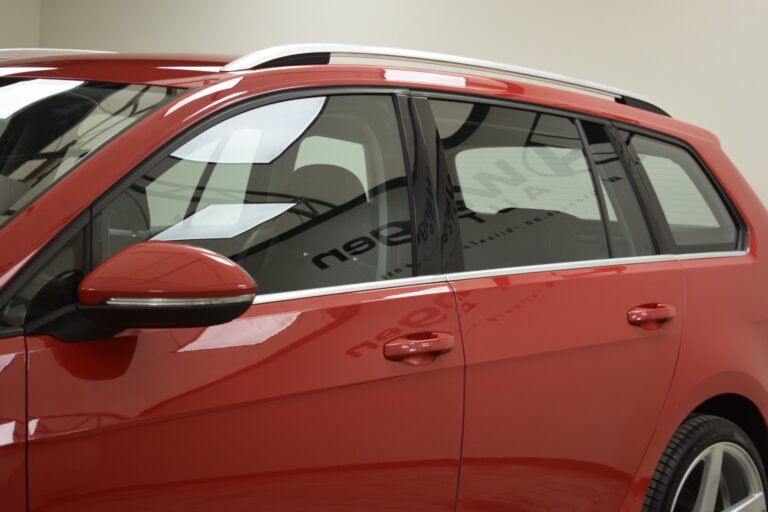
[418, 349]
[651, 316]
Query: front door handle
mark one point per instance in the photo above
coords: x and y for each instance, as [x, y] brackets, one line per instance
[651, 316]
[418, 349]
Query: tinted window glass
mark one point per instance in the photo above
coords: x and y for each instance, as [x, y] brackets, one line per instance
[303, 193]
[697, 217]
[342, 153]
[47, 126]
[627, 228]
[523, 187]
[52, 287]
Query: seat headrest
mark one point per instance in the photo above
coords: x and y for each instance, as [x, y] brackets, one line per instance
[10, 192]
[327, 183]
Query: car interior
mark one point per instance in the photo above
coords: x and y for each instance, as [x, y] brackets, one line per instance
[523, 188]
[329, 236]
[52, 124]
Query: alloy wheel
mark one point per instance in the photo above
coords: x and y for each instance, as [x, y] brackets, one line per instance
[723, 478]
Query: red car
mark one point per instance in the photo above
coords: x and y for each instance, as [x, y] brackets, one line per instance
[339, 278]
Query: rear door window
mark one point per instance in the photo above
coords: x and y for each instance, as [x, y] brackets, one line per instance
[523, 187]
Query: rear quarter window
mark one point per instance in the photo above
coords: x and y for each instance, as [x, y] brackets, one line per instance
[698, 217]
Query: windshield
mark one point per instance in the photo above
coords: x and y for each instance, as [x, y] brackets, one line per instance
[47, 126]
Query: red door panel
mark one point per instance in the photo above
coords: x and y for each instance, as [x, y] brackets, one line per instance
[563, 392]
[291, 407]
[13, 425]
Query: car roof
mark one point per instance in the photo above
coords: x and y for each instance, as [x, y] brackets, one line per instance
[169, 70]
[191, 71]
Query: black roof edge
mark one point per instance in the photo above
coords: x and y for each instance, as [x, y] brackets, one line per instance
[303, 59]
[319, 58]
[644, 105]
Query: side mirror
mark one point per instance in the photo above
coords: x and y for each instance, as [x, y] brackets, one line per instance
[153, 284]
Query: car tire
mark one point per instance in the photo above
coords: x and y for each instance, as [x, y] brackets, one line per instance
[689, 474]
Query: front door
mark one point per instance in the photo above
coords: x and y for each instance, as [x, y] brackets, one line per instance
[312, 399]
[13, 425]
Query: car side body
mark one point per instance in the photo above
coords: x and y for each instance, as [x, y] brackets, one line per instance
[550, 398]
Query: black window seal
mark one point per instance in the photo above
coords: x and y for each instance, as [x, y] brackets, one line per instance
[508, 103]
[11, 332]
[742, 234]
[631, 178]
[81, 222]
[429, 168]
[660, 233]
[576, 117]
[587, 151]
[407, 132]
[650, 207]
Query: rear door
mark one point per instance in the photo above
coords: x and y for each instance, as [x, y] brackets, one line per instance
[313, 398]
[571, 319]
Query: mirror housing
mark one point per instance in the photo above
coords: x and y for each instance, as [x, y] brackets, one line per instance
[153, 285]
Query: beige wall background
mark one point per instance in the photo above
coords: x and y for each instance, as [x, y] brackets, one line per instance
[19, 23]
[702, 60]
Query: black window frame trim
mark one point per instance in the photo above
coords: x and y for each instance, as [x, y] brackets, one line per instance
[656, 222]
[650, 215]
[664, 250]
[428, 254]
[650, 207]
[82, 222]
[594, 175]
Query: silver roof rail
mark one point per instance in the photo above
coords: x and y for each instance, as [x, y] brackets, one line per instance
[305, 54]
[31, 53]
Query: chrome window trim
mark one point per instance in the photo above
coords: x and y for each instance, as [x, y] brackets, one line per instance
[711, 255]
[554, 267]
[348, 288]
[475, 274]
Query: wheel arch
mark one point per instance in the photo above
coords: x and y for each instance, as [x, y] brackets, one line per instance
[744, 413]
[735, 395]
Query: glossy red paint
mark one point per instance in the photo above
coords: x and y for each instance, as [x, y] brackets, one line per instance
[165, 270]
[295, 403]
[13, 424]
[290, 405]
[651, 316]
[590, 361]
[181, 71]
[32, 228]
[724, 350]
[419, 349]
